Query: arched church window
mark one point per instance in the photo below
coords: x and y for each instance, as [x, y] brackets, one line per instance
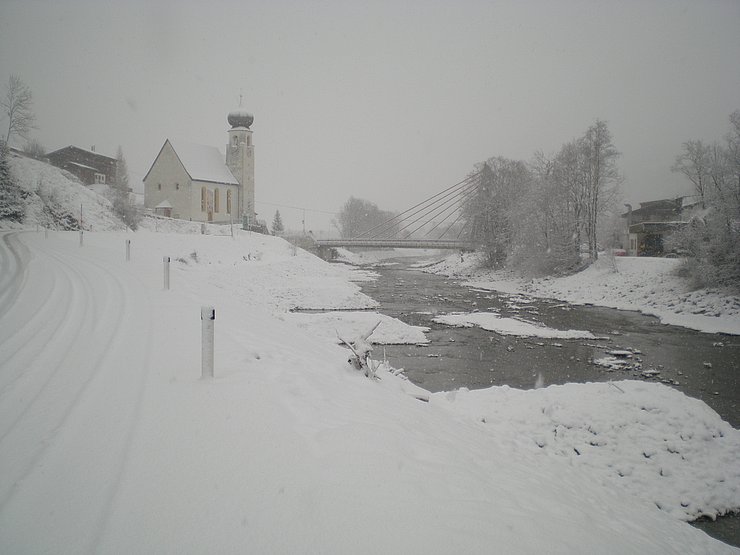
[228, 202]
[216, 202]
[203, 199]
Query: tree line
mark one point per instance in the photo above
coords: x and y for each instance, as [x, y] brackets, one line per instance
[711, 242]
[536, 216]
[539, 216]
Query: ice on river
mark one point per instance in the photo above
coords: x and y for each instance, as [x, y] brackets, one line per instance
[493, 321]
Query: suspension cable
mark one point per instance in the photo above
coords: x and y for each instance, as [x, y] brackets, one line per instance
[449, 197]
[459, 207]
[460, 184]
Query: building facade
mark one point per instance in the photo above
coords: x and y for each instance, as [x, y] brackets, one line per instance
[194, 182]
[89, 166]
[648, 226]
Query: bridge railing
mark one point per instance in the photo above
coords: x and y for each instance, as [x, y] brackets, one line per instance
[397, 244]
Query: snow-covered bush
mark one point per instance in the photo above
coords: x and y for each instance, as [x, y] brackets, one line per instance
[712, 243]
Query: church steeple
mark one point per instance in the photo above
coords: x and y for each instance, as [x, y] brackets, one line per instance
[240, 158]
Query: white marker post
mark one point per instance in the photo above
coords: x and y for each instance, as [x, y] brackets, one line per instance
[208, 317]
[80, 237]
[166, 261]
[128, 250]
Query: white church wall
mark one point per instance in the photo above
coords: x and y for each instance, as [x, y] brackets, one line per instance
[203, 200]
[168, 180]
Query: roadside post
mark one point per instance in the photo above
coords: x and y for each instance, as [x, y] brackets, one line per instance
[166, 261]
[208, 317]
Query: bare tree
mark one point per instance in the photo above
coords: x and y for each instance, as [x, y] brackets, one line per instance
[492, 211]
[570, 174]
[712, 241]
[359, 216]
[34, 148]
[694, 163]
[602, 178]
[733, 152]
[16, 105]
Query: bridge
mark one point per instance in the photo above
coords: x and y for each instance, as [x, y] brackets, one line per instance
[397, 244]
[437, 222]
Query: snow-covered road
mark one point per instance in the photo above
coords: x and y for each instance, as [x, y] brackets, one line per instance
[72, 334]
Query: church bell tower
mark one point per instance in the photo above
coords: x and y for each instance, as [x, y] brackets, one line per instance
[240, 160]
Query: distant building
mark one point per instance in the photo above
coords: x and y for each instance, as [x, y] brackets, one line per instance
[648, 226]
[89, 166]
[194, 182]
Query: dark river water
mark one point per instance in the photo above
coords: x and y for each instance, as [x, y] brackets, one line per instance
[705, 366]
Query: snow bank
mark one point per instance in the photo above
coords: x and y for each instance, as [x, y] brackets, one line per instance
[647, 439]
[391, 331]
[648, 285]
[377, 257]
[492, 321]
[259, 268]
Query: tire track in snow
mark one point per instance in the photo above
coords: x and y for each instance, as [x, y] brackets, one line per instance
[50, 352]
[45, 411]
[14, 269]
[39, 317]
[96, 440]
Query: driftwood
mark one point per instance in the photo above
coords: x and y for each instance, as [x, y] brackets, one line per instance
[361, 348]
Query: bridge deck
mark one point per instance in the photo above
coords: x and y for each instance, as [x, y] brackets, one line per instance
[397, 244]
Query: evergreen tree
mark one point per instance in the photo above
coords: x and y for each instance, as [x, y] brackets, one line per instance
[12, 206]
[277, 224]
[122, 205]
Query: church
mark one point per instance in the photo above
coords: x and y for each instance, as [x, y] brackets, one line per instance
[193, 182]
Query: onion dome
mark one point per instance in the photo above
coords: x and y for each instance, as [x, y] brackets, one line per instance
[240, 118]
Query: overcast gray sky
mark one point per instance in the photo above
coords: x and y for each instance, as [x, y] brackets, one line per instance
[388, 101]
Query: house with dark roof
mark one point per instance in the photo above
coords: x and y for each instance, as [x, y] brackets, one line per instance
[195, 182]
[89, 166]
[649, 225]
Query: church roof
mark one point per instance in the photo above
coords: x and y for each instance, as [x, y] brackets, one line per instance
[201, 162]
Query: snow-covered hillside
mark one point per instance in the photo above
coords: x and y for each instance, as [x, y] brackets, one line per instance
[56, 199]
[110, 441]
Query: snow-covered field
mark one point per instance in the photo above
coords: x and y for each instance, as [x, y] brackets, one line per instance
[648, 285]
[110, 441]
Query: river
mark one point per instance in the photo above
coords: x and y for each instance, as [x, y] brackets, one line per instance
[704, 366]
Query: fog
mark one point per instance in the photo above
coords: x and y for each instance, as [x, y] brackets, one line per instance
[387, 102]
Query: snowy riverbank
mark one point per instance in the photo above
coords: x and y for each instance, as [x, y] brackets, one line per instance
[647, 285]
[111, 442]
